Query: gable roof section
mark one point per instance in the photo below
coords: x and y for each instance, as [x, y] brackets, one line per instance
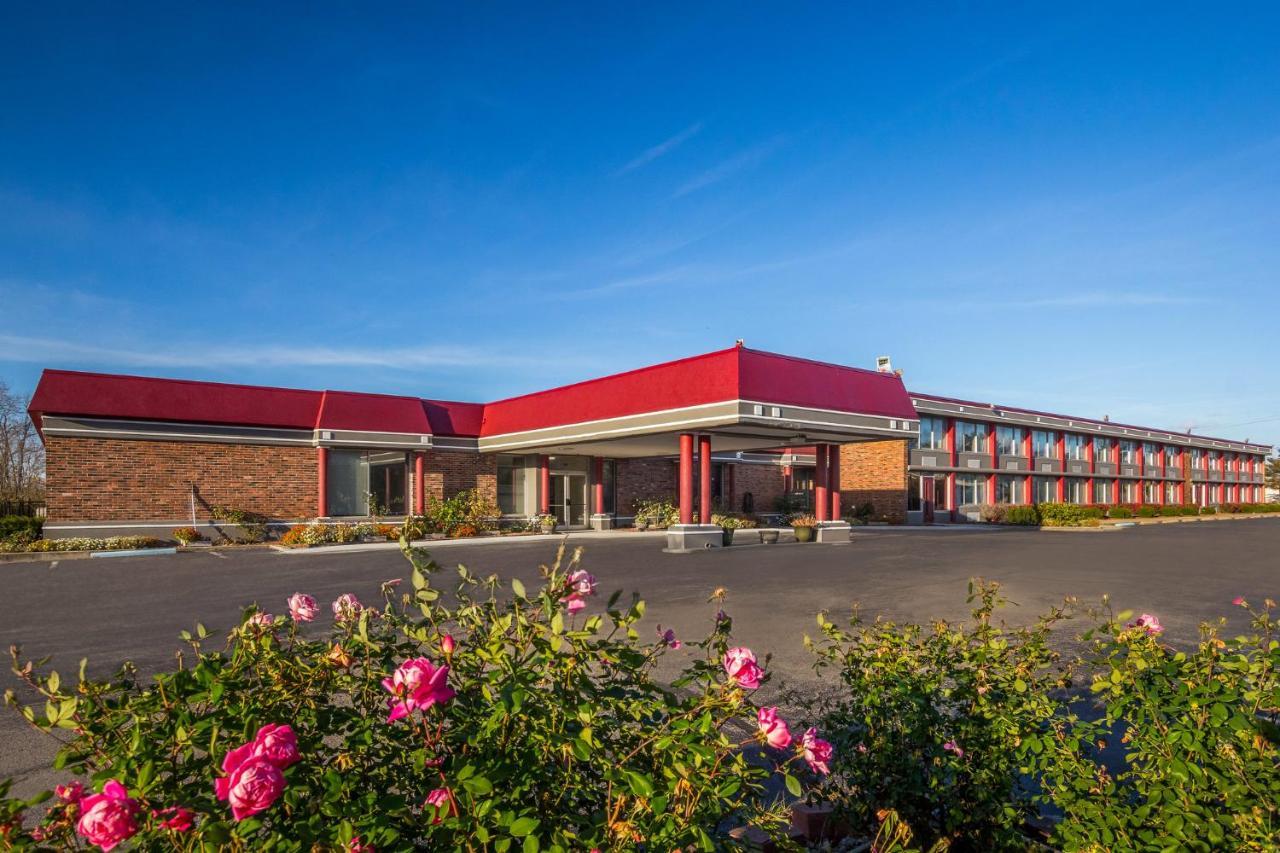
[771, 378]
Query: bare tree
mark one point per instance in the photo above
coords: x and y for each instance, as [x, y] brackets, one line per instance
[21, 451]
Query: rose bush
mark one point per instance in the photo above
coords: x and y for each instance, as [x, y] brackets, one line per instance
[481, 717]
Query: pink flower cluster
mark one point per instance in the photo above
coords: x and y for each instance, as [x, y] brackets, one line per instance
[416, 685]
[440, 801]
[1147, 622]
[302, 607]
[773, 728]
[254, 777]
[741, 667]
[108, 818]
[581, 584]
[346, 607]
[668, 638]
[774, 731]
[817, 752]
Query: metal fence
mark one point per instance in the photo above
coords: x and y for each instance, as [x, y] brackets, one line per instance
[10, 507]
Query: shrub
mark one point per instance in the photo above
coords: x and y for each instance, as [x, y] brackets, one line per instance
[1061, 514]
[804, 521]
[1147, 511]
[345, 534]
[1119, 512]
[935, 722]
[1022, 514]
[24, 526]
[733, 521]
[1188, 509]
[252, 525]
[992, 513]
[531, 726]
[187, 535]
[1092, 512]
[1201, 769]
[1208, 510]
[1168, 510]
[658, 513]
[466, 507]
[865, 511]
[389, 532]
[293, 536]
[464, 531]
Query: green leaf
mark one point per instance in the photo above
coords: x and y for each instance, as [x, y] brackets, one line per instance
[531, 844]
[521, 827]
[517, 588]
[793, 785]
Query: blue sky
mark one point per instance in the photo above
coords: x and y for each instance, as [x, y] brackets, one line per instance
[1076, 212]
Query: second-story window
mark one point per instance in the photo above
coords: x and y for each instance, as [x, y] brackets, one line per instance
[1151, 455]
[933, 434]
[1075, 447]
[1009, 441]
[1128, 453]
[1170, 456]
[1045, 443]
[1101, 449]
[971, 437]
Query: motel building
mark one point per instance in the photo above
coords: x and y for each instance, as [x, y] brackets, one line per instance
[733, 430]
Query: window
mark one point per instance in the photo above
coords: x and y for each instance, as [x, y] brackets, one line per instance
[971, 437]
[933, 434]
[1197, 457]
[970, 489]
[1075, 447]
[1009, 441]
[1045, 443]
[1151, 455]
[1128, 453]
[914, 503]
[1046, 489]
[1009, 489]
[1215, 460]
[1101, 449]
[1128, 492]
[1073, 490]
[1171, 493]
[1170, 456]
[1102, 491]
[511, 480]
[360, 482]
[1151, 492]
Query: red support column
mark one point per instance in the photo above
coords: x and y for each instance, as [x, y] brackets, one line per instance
[1062, 463]
[1028, 451]
[599, 484]
[322, 482]
[544, 484]
[419, 483]
[686, 478]
[1088, 452]
[833, 480]
[821, 499]
[953, 458]
[994, 450]
[704, 477]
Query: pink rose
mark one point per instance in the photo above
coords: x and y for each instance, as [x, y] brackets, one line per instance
[355, 845]
[773, 730]
[108, 818]
[447, 644]
[440, 801]
[72, 792]
[1238, 601]
[740, 666]
[582, 583]
[346, 606]
[416, 685]
[261, 621]
[253, 787]
[668, 638]
[302, 607]
[573, 604]
[817, 752]
[177, 818]
[951, 746]
[278, 744]
[1148, 623]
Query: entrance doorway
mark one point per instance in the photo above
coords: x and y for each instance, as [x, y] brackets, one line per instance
[569, 499]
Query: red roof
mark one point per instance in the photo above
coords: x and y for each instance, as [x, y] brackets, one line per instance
[716, 377]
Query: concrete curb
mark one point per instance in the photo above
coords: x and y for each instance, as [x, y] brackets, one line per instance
[434, 544]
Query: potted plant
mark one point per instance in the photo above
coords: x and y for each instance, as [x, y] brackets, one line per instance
[642, 522]
[547, 523]
[187, 535]
[803, 526]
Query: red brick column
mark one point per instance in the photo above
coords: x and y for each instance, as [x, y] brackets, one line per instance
[821, 499]
[686, 478]
[833, 480]
[544, 484]
[322, 482]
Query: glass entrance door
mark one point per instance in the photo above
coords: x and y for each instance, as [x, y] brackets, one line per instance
[569, 499]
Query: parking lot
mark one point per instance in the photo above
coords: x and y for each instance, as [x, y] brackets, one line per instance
[113, 609]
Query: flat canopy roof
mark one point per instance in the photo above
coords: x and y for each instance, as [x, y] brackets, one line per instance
[750, 398]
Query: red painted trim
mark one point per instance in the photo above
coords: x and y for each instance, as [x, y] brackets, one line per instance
[833, 481]
[821, 499]
[704, 478]
[322, 482]
[419, 482]
[544, 484]
[686, 478]
[598, 465]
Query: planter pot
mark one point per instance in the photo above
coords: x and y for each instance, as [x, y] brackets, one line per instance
[642, 525]
[803, 534]
[728, 538]
[768, 537]
[548, 528]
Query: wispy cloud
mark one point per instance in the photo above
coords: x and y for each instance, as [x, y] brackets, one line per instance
[1103, 300]
[661, 149]
[728, 168]
[17, 348]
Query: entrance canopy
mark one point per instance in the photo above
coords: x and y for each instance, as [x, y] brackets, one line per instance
[746, 399]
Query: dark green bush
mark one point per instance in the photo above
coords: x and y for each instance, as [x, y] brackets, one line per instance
[1061, 515]
[1148, 511]
[1026, 515]
[1188, 509]
[27, 526]
[1119, 512]
[1208, 510]
[1093, 512]
[1168, 510]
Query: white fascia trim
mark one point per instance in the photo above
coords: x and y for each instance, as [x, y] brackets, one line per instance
[109, 433]
[487, 446]
[493, 443]
[319, 430]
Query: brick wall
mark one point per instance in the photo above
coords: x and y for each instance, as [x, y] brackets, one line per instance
[93, 479]
[449, 472]
[644, 479]
[875, 471]
[764, 482]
